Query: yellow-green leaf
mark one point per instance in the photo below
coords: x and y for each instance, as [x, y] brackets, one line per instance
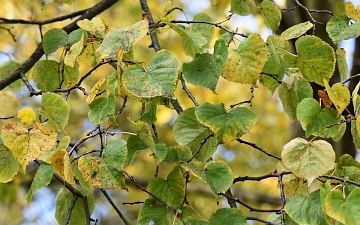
[341, 62]
[339, 94]
[26, 115]
[296, 30]
[271, 13]
[308, 160]
[245, 64]
[97, 27]
[61, 163]
[351, 11]
[9, 166]
[27, 145]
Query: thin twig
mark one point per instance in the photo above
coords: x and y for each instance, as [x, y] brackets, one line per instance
[72, 205]
[188, 93]
[270, 175]
[258, 148]
[248, 101]
[260, 220]
[200, 146]
[341, 179]
[107, 196]
[154, 196]
[133, 203]
[9, 31]
[246, 205]
[282, 196]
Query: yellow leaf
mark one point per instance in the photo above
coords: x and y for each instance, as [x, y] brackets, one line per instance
[27, 145]
[352, 12]
[97, 27]
[339, 94]
[62, 165]
[95, 90]
[27, 116]
[358, 124]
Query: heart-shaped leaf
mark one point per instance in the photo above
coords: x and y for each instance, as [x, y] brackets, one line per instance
[352, 12]
[338, 28]
[158, 80]
[227, 126]
[314, 120]
[344, 210]
[339, 94]
[308, 159]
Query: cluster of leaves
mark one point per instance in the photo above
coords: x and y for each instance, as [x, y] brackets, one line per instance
[197, 130]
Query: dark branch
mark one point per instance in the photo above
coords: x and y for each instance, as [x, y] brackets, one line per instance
[114, 206]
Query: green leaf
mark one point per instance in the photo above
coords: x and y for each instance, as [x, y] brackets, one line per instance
[149, 115]
[134, 145]
[355, 134]
[56, 109]
[306, 209]
[159, 79]
[240, 7]
[308, 160]
[276, 218]
[316, 59]
[314, 120]
[343, 209]
[172, 190]
[277, 74]
[194, 170]
[9, 166]
[178, 154]
[189, 132]
[290, 98]
[42, 178]
[356, 97]
[206, 30]
[296, 30]
[219, 176]
[339, 94]
[338, 29]
[227, 126]
[228, 216]
[54, 39]
[47, 75]
[341, 63]
[106, 172]
[122, 40]
[204, 70]
[102, 110]
[63, 202]
[245, 64]
[271, 13]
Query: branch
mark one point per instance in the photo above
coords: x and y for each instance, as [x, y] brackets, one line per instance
[260, 220]
[270, 175]
[114, 206]
[36, 55]
[258, 148]
[72, 205]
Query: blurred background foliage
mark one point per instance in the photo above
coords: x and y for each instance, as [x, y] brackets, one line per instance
[271, 132]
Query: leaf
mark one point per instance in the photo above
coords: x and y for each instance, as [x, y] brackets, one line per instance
[177, 154]
[63, 144]
[227, 126]
[54, 39]
[63, 201]
[8, 164]
[27, 115]
[355, 134]
[325, 98]
[75, 50]
[355, 96]
[352, 12]
[55, 109]
[341, 63]
[228, 216]
[341, 209]
[47, 75]
[159, 79]
[339, 94]
[134, 145]
[306, 209]
[172, 190]
[89, 55]
[276, 219]
[189, 132]
[60, 161]
[95, 90]
[27, 145]
[121, 38]
[290, 98]
[106, 172]
[308, 160]
[296, 30]
[271, 13]
[240, 7]
[205, 30]
[245, 64]
[316, 59]
[41, 179]
[97, 26]
[338, 28]
[102, 110]
[204, 70]
[191, 40]
[219, 176]
[314, 120]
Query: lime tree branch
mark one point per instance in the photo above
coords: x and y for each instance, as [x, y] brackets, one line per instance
[107, 196]
[36, 55]
[258, 148]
